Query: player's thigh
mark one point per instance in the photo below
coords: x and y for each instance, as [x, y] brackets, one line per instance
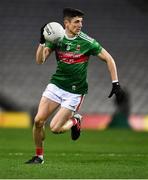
[61, 117]
[46, 108]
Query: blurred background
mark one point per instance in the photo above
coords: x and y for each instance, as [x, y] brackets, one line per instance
[121, 27]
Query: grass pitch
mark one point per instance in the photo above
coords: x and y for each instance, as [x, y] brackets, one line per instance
[111, 154]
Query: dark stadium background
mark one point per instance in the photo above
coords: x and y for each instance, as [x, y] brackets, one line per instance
[120, 26]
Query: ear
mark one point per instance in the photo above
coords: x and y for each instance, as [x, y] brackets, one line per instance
[66, 22]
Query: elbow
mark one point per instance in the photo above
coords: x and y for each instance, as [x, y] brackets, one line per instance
[110, 60]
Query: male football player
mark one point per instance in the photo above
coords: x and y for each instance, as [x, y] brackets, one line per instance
[68, 86]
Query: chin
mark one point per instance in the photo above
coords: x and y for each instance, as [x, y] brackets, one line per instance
[76, 33]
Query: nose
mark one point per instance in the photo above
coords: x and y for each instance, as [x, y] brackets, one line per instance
[80, 24]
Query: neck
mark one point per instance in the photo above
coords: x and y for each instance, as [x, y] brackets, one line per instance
[69, 34]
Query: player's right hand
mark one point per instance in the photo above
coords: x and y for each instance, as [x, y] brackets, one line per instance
[42, 39]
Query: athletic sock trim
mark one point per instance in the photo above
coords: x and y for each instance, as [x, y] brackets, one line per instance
[74, 120]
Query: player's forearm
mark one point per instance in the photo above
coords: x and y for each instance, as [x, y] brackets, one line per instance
[112, 69]
[105, 56]
[39, 55]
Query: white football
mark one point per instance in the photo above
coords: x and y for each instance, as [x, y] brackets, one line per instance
[53, 32]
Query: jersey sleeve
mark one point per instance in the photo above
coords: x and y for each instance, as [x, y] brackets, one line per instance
[95, 48]
[50, 45]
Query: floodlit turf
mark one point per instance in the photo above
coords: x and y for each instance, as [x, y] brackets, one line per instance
[113, 153]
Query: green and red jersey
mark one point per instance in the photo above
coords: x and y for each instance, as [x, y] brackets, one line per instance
[72, 56]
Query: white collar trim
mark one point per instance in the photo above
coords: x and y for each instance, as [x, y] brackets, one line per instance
[69, 37]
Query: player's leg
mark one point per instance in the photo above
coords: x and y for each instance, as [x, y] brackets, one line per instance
[50, 101]
[65, 117]
[45, 109]
[73, 102]
[65, 120]
[61, 118]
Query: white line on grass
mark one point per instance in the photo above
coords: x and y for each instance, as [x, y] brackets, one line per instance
[121, 155]
[16, 154]
[109, 154]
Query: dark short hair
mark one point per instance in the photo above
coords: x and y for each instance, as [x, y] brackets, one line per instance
[70, 12]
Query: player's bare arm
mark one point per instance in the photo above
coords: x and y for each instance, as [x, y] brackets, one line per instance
[116, 89]
[42, 54]
[105, 56]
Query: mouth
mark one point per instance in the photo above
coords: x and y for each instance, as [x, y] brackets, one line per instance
[79, 29]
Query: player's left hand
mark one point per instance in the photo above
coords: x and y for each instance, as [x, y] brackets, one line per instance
[117, 90]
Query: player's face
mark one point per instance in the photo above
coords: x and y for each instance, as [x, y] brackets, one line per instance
[74, 25]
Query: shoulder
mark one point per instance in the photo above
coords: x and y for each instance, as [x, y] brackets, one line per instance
[91, 41]
[86, 37]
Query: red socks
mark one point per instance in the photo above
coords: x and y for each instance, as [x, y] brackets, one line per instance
[39, 151]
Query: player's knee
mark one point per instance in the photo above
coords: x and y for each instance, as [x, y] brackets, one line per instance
[38, 122]
[55, 130]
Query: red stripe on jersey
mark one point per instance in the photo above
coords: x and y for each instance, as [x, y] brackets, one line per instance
[75, 61]
[72, 58]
